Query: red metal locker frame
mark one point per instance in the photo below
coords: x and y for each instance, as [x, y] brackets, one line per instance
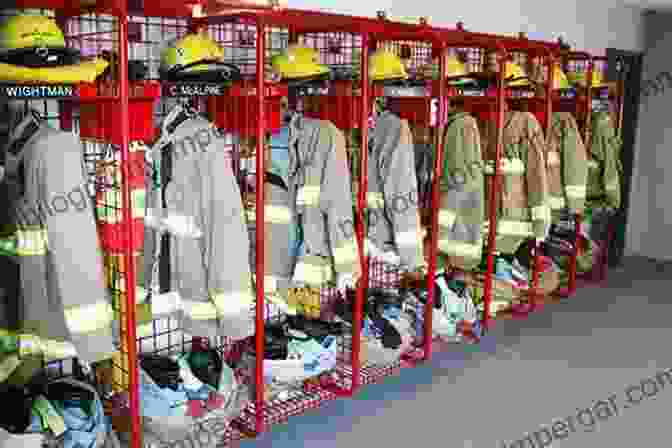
[463, 39]
[118, 9]
[581, 106]
[306, 21]
[426, 35]
[600, 272]
[547, 52]
[301, 22]
[504, 45]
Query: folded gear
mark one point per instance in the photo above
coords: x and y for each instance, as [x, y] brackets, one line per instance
[164, 371]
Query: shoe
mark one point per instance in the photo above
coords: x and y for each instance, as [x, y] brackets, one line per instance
[316, 329]
[383, 330]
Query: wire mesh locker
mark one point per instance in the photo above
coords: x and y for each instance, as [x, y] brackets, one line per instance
[466, 56]
[105, 187]
[606, 98]
[536, 61]
[577, 102]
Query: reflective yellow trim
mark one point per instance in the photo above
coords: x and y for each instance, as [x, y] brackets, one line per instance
[556, 202]
[497, 305]
[508, 166]
[90, 317]
[447, 218]
[311, 274]
[592, 164]
[31, 345]
[184, 225]
[460, 249]
[576, 191]
[31, 242]
[109, 205]
[409, 238]
[367, 247]
[273, 214]
[375, 200]
[541, 213]
[347, 253]
[232, 302]
[270, 283]
[613, 185]
[512, 228]
[8, 365]
[308, 195]
[199, 310]
[552, 158]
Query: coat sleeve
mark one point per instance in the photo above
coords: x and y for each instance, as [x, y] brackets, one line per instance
[610, 148]
[226, 236]
[574, 166]
[462, 201]
[400, 189]
[72, 238]
[336, 203]
[536, 177]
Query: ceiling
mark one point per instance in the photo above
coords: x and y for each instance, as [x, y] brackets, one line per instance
[649, 4]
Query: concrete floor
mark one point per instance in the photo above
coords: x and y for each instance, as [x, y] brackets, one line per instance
[564, 374]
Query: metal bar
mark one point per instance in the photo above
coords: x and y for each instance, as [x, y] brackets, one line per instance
[260, 202]
[550, 63]
[589, 103]
[129, 264]
[572, 259]
[363, 285]
[434, 226]
[494, 191]
[620, 95]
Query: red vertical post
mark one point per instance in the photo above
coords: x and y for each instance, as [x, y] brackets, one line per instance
[65, 115]
[550, 64]
[571, 287]
[435, 205]
[494, 191]
[575, 251]
[129, 265]
[588, 98]
[260, 202]
[361, 206]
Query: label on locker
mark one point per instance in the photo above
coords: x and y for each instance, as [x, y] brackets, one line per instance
[37, 91]
[194, 89]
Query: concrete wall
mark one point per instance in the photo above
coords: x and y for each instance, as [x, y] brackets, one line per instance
[650, 214]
